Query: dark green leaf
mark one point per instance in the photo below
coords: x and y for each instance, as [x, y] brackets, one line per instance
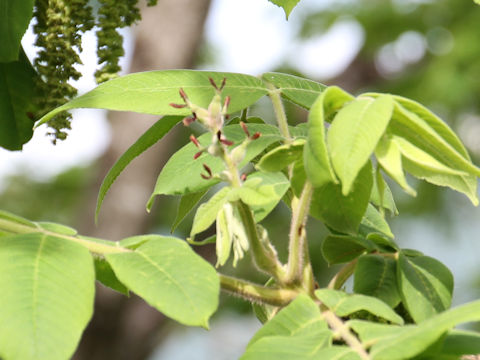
[372, 221]
[461, 342]
[17, 93]
[105, 275]
[152, 92]
[186, 204]
[171, 277]
[150, 137]
[375, 275]
[343, 304]
[354, 134]
[301, 91]
[343, 213]
[337, 249]
[425, 285]
[14, 19]
[47, 288]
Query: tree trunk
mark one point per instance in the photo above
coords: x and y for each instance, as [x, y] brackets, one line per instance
[167, 37]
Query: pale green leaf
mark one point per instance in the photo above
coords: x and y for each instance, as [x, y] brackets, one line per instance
[390, 159]
[375, 275]
[343, 304]
[207, 212]
[372, 221]
[57, 228]
[224, 239]
[282, 156]
[47, 288]
[168, 274]
[263, 191]
[186, 204]
[354, 134]
[343, 213]
[301, 316]
[316, 159]
[425, 285]
[382, 199]
[461, 342]
[300, 91]
[287, 5]
[149, 138]
[152, 92]
[14, 19]
[181, 174]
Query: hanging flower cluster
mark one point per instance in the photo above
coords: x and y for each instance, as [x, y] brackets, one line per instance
[59, 27]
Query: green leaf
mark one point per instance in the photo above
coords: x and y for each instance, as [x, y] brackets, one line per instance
[263, 191]
[461, 342]
[316, 159]
[150, 137]
[47, 288]
[423, 160]
[287, 5]
[343, 213]
[57, 228]
[354, 134]
[17, 93]
[375, 275]
[5, 215]
[301, 316]
[390, 159]
[170, 277]
[373, 222]
[397, 343]
[382, 199]
[152, 92]
[105, 275]
[343, 304]
[186, 204]
[337, 249]
[282, 156]
[425, 285]
[298, 90]
[14, 19]
[207, 212]
[181, 174]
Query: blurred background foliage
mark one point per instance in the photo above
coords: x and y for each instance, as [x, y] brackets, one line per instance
[426, 50]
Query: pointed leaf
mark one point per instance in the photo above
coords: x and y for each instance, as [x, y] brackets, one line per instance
[287, 5]
[105, 275]
[181, 174]
[47, 288]
[375, 275]
[17, 93]
[389, 157]
[317, 161]
[300, 91]
[149, 138]
[372, 222]
[170, 277]
[282, 156]
[14, 19]
[343, 304]
[382, 199]
[354, 134]
[343, 213]
[152, 92]
[425, 285]
[186, 204]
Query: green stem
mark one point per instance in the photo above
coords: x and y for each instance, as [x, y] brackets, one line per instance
[274, 94]
[298, 258]
[264, 255]
[343, 331]
[256, 293]
[342, 276]
[97, 248]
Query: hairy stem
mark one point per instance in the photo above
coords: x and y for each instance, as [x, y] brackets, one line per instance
[298, 258]
[274, 94]
[94, 247]
[343, 331]
[256, 293]
[264, 255]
